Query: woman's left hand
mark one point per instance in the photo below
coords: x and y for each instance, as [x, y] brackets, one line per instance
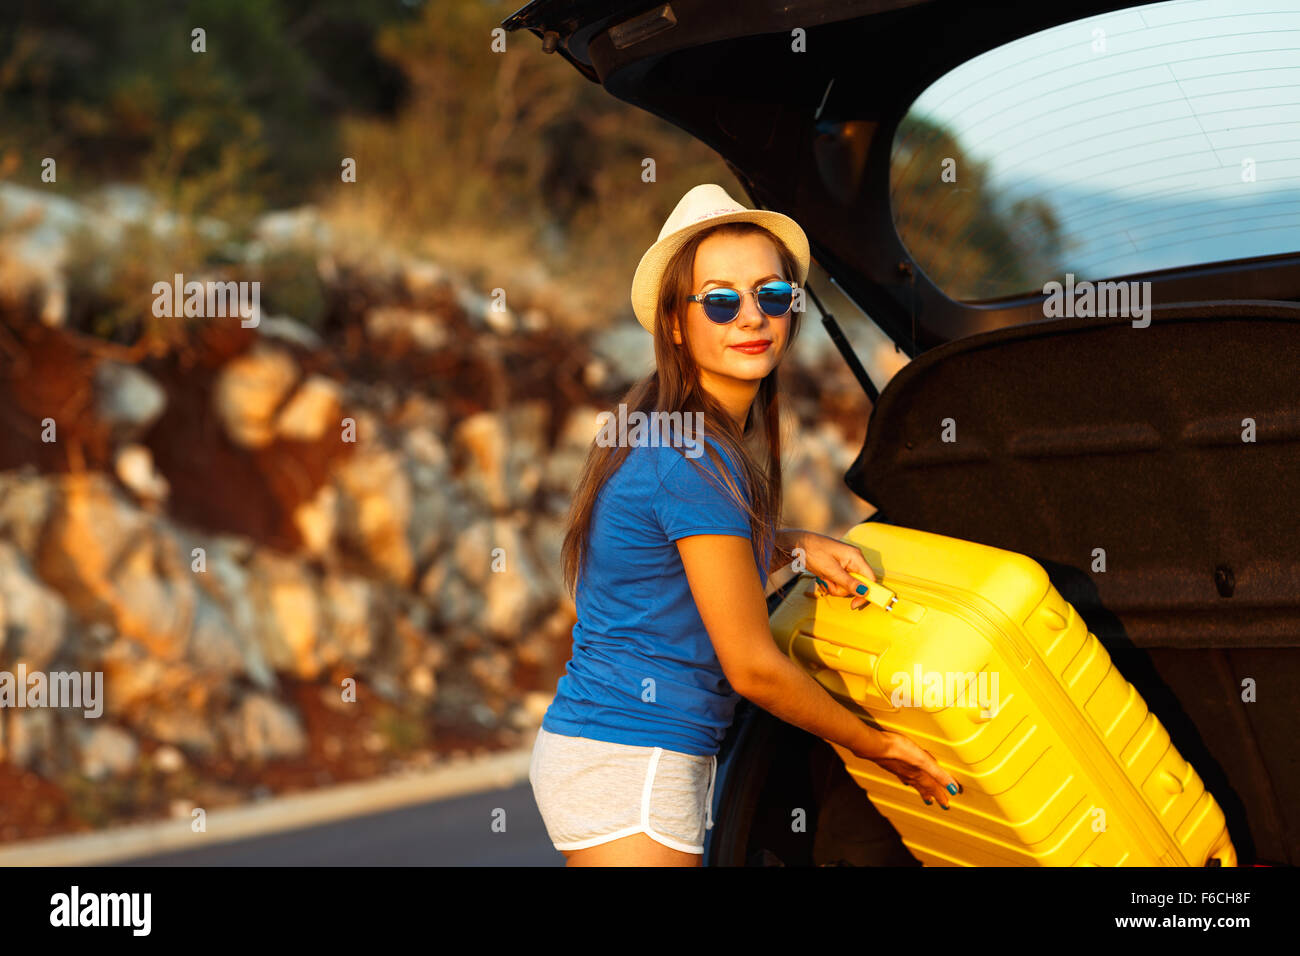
[831, 560]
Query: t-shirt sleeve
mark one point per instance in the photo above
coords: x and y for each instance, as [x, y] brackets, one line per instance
[690, 502]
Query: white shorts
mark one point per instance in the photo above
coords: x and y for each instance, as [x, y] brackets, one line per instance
[593, 791]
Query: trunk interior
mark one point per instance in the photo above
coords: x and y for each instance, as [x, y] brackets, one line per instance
[1083, 440]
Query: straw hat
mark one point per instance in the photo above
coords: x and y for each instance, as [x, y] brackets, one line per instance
[704, 206]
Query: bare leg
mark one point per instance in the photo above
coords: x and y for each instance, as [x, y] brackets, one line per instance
[635, 850]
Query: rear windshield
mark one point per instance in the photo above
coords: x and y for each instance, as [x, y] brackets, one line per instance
[1160, 136]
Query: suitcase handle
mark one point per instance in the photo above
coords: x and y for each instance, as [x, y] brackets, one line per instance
[877, 593]
[883, 597]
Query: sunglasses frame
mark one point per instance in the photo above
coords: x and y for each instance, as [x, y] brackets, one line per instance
[740, 301]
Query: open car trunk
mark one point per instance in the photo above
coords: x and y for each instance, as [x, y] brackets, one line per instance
[1075, 440]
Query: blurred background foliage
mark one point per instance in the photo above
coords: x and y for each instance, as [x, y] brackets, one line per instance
[116, 91]
[496, 164]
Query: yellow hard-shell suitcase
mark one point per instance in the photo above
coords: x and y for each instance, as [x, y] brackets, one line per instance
[972, 653]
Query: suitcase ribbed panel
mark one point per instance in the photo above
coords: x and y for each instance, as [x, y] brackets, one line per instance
[1068, 767]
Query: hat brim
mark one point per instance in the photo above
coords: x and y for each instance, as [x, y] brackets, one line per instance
[650, 270]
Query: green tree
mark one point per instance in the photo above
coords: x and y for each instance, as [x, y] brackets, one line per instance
[115, 91]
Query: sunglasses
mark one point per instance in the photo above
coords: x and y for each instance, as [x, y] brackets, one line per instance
[723, 305]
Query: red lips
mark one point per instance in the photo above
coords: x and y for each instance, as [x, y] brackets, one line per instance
[756, 347]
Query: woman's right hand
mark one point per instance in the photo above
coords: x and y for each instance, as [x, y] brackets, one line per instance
[916, 767]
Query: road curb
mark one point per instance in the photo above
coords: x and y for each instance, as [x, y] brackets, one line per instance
[276, 815]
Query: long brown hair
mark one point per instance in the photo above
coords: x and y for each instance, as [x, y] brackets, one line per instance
[674, 386]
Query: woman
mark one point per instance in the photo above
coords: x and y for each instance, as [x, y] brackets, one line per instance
[670, 541]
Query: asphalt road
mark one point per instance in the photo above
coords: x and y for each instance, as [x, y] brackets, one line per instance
[453, 832]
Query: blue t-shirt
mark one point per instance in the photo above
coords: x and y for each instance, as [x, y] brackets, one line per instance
[637, 619]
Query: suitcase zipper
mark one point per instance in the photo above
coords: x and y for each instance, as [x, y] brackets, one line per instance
[1072, 715]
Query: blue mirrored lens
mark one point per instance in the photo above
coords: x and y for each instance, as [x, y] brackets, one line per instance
[774, 298]
[722, 305]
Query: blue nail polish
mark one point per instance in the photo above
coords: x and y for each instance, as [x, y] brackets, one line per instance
[952, 788]
[944, 807]
[928, 802]
[862, 589]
